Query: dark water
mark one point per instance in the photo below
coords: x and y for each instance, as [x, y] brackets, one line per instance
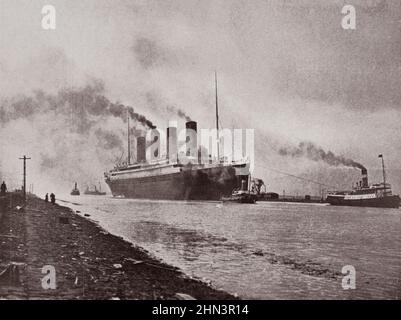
[267, 250]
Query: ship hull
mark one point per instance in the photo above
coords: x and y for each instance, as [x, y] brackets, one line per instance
[95, 193]
[383, 202]
[197, 184]
[244, 198]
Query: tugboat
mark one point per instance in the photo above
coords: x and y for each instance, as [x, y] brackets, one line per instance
[95, 192]
[242, 195]
[363, 195]
[75, 191]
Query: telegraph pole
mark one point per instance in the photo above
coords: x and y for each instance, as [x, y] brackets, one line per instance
[24, 186]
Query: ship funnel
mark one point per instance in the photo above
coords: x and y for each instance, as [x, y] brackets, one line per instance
[192, 139]
[172, 142]
[141, 149]
[365, 183]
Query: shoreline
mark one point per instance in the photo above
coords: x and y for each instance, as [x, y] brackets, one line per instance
[89, 262]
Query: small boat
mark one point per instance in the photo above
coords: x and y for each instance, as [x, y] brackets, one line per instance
[95, 192]
[75, 191]
[241, 196]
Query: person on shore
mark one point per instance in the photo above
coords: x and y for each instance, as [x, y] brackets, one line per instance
[53, 198]
[3, 188]
[47, 197]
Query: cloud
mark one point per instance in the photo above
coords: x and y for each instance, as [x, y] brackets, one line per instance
[149, 53]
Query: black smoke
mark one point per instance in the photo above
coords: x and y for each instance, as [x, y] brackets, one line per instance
[312, 152]
[162, 105]
[77, 103]
[73, 135]
[179, 112]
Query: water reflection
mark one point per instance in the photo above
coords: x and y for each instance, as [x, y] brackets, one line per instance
[268, 250]
[190, 243]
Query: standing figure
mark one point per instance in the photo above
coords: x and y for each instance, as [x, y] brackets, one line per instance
[3, 188]
[47, 197]
[53, 198]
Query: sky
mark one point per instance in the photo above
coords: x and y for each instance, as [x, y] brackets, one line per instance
[286, 69]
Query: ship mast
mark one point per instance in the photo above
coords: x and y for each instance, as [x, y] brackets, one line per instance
[129, 140]
[217, 118]
[384, 172]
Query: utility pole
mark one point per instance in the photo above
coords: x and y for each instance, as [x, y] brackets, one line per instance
[24, 186]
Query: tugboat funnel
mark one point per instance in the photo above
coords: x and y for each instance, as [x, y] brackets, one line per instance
[365, 183]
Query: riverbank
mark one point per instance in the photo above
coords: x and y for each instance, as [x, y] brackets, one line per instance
[89, 262]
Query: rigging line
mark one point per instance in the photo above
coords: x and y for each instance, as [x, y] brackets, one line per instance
[294, 176]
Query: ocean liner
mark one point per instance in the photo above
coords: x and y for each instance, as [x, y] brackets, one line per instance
[365, 195]
[171, 179]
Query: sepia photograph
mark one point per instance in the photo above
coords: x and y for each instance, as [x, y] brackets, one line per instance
[226, 151]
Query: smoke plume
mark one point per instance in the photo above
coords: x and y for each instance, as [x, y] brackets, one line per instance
[73, 135]
[312, 152]
[163, 105]
[179, 112]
